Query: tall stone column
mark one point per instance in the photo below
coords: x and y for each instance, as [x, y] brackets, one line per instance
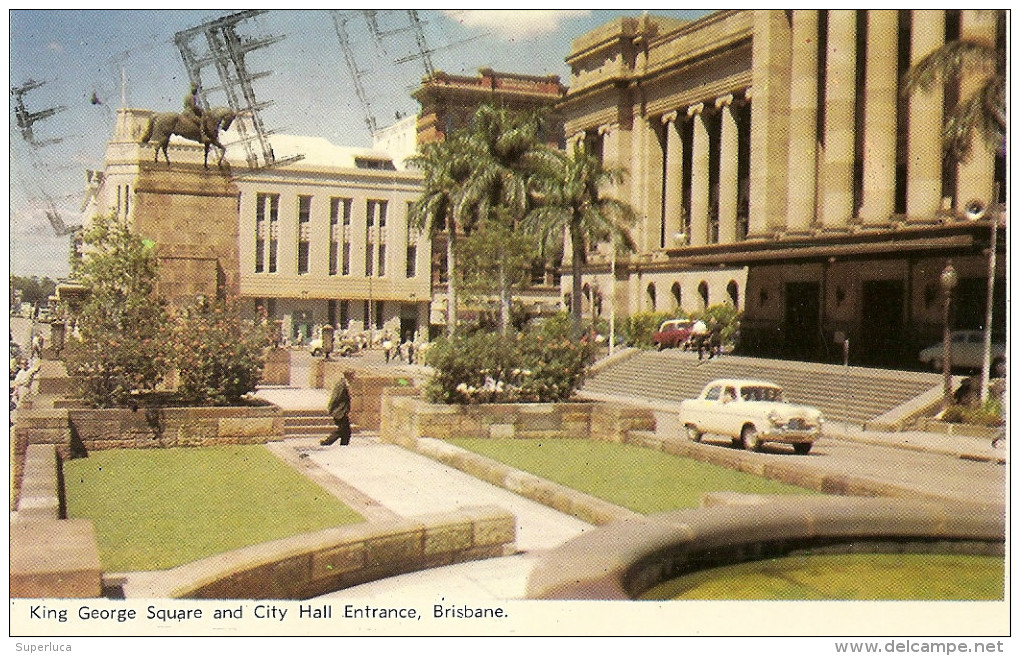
[699, 176]
[975, 177]
[840, 96]
[880, 91]
[728, 151]
[674, 206]
[770, 122]
[646, 181]
[924, 135]
[803, 156]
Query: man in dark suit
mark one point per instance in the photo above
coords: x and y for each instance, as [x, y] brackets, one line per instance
[339, 408]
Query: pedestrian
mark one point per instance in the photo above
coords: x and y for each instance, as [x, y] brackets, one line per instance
[387, 346]
[714, 342]
[339, 408]
[699, 334]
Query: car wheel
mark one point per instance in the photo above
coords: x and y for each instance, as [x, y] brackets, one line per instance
[316, 353]
[749, 438]
[659, 346]
[802, 448]
[693, 434]
[999, 368]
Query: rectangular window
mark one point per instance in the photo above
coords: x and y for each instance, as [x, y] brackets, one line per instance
[304, 227]
[338, 233]
[366, 314]
[331, 313]
[379, 322]
[411, 237]
[260, 233]
[274, 228]
[347, 259]
[345, 314]
[382, 260]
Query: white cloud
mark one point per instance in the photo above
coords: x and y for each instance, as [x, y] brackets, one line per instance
[511, 25]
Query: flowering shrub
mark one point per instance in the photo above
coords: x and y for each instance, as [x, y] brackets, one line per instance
[540, 366]
[220, 356]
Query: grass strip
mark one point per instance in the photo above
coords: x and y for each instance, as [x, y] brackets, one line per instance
[643, 480]
[158, 508]
[865, 577]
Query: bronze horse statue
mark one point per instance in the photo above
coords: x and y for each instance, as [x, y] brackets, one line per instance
[162, 125]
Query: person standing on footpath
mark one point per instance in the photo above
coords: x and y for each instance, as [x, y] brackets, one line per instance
[339, 407]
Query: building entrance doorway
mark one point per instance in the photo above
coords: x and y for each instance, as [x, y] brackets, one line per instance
[882, 324]
[802, 329]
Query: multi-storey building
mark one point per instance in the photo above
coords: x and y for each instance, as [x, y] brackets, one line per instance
[320, 240]
[775, 164]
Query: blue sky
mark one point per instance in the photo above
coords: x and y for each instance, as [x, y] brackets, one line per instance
[79, 53]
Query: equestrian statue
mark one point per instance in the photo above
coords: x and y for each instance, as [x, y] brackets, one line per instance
[194, 124]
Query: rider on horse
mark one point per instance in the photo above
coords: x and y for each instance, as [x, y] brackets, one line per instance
[193, 110]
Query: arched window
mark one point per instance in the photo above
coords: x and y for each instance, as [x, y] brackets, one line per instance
[734, 293]
[703, 293]
[677, 294]
[651, 296]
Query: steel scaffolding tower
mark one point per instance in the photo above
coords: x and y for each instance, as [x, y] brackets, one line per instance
[225, 50]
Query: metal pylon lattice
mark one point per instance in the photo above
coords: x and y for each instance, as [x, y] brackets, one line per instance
[225, 49]
[358, 72]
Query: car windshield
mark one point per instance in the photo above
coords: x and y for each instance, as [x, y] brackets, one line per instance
[761, 393]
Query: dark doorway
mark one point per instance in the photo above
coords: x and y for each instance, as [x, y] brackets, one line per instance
[802, 328]
[882, 341]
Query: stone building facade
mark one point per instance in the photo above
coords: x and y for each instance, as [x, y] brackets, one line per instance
[323, 239]
[774, 164]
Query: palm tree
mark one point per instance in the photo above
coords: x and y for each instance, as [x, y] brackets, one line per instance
[446, 167]
[572, 202]
[507, 155]
[984, 110]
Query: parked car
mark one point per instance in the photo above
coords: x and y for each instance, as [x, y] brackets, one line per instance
[750, 413]
[967, 349]
[673, 333]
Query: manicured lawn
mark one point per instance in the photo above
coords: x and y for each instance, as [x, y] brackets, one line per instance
[643, 480]
[850, 577]
[158, 508]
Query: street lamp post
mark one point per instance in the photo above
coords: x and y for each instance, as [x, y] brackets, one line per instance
[948, 280]
[612, 301]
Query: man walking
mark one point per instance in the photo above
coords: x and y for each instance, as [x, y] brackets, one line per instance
[339, 407]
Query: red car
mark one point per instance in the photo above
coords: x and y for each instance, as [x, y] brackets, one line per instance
[673, 333]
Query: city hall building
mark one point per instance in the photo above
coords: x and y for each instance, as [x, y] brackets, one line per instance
[774, 164]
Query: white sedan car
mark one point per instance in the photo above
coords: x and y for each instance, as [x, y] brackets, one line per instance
[750, 413]
[966, 350]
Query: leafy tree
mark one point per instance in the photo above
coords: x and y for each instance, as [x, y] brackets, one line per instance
[123, 346]
[34, 290]
[984, 110]
[446, 167]
[572, 202]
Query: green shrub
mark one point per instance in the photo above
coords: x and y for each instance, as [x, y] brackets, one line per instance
[723, 316]
[539, 366]
[220, 356]
[988, 415]
[640, 327]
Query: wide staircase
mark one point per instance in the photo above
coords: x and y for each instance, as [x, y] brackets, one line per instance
[843, 394]
[307, 423]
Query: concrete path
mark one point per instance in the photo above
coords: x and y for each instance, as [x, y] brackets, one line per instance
[409, 484]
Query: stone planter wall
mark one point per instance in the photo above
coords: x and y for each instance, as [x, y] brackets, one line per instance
[175, 427]
[277, 369]
[405, 419]
[313, 564]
